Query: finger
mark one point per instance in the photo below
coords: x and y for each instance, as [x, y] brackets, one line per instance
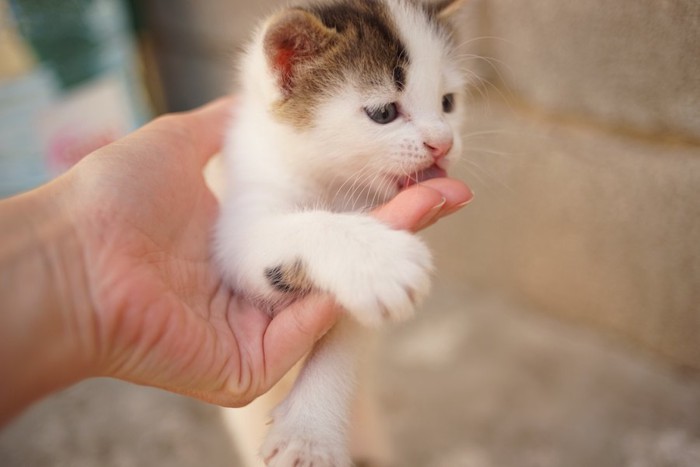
[421, 205]
[293, 332]
[192, 136]
[457, 195]
[208, 125]
[455, 191]
[407, 209]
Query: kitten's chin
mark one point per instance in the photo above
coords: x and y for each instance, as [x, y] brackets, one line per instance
[434, 171]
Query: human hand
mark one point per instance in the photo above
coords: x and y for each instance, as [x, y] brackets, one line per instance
[153, 307]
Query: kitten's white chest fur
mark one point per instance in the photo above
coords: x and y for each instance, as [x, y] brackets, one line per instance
[342, 106]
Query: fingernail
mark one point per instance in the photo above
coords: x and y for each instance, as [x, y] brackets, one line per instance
[457, 207]
[432, 214]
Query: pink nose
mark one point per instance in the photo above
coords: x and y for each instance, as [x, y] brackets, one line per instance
[439, 148]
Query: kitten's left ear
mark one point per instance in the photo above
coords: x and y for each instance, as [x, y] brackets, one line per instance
[443, 9]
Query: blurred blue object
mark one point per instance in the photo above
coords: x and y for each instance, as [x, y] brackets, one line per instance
[74, 86]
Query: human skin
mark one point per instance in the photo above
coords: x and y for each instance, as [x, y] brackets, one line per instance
[107, 271]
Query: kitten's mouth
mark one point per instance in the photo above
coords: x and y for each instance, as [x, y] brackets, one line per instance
[422, 175]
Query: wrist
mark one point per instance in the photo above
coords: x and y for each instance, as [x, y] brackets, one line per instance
[47, 338]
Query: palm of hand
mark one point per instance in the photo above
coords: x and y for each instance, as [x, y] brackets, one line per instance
[161, 307]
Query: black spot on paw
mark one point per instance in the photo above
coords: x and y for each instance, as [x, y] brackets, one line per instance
[289, 278]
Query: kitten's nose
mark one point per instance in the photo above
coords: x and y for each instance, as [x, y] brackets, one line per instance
[439, 148]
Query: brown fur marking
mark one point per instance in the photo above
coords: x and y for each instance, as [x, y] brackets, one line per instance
[290, 278]
[359, 42]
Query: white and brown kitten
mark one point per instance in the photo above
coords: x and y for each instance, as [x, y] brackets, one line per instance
[343, 104]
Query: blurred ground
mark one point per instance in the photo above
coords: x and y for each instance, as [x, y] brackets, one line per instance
[478, 380]
[474, 382]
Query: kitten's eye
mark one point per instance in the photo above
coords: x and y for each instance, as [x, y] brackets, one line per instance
[384, 114]
[448, 103]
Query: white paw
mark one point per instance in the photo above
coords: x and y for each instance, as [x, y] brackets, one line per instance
[293, 450]
[377, 274]
[386, 277]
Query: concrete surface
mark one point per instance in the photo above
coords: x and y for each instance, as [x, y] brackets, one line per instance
[475, 381]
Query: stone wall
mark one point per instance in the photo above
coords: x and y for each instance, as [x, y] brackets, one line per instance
[586, 163]
[628, 64]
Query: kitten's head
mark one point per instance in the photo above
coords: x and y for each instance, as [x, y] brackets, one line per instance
[373, 87]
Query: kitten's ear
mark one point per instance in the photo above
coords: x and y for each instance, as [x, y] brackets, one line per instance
[443, 9]
[292, 38]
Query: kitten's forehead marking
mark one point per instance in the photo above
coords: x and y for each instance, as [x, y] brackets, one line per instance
[369, 53]
[428, 41]
[370, 37]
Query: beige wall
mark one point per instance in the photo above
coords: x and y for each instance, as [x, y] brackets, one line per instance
[586, 163]
[631, 64]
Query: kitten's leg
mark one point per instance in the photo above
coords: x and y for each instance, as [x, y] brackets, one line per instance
[370, 445]
[310, 426]
[248, 425]
[374, 272]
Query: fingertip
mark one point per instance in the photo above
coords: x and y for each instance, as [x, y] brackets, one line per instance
[209, 124]
[456, 192]
[222, 105]
[408, 209]
[421, 205]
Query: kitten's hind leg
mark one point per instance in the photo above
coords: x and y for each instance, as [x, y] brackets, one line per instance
[370, 444]
[248, 425]
[310, 426]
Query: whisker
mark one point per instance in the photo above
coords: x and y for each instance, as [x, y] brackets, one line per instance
[490, 60]
[354, 180]
[481, 174]
[385, 191]
[359, 184]
[482, 38]
[366, 186]
[493, 152]
[374, 199]
[490, 85]
[489, 132]
[348, 195]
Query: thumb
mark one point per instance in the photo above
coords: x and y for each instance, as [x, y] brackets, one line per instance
[194, 136]
[208, 125]
[293, 332]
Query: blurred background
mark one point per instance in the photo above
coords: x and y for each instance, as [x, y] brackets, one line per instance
[564, 326]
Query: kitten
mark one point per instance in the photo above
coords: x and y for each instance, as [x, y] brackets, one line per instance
[343, 105]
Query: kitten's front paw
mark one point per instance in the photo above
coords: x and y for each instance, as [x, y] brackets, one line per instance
[293, 450]
[387, 278]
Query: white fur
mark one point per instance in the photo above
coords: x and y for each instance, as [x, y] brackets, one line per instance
[285, 192]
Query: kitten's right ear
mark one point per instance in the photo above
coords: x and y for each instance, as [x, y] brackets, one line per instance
[443, 9]
[292, 38]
